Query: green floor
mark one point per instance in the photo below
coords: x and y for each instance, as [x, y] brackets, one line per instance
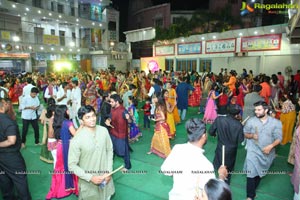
[146, 183]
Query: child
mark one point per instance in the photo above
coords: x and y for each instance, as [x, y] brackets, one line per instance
[134, 125]
[146, 108]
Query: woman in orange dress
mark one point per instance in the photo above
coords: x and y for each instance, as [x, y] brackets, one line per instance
[170, 116]
[172, 101]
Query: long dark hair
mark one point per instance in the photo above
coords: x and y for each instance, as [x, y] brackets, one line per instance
[50, 108]
[59, 116]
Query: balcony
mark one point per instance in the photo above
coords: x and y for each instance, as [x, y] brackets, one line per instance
[28, 41]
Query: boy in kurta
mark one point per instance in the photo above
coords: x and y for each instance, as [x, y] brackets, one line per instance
[91, 157]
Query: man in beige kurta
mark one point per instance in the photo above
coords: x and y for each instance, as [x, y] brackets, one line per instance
[91, 157]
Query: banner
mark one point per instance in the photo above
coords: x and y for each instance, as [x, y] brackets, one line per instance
[96, 13]
[220, 46]
[166, 50]
[261, 43]
[5, 35]
[51, 39]
[152, 64]
[189, 48]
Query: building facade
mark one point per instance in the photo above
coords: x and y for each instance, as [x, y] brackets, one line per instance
[36, 33]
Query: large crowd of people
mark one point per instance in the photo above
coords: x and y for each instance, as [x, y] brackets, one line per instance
[91, 114]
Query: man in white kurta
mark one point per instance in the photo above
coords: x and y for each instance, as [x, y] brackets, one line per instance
[91, 157]
[190, 169]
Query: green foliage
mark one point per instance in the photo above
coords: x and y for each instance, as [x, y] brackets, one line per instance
[202, 21]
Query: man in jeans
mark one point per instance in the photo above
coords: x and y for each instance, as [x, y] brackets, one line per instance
[29, 106]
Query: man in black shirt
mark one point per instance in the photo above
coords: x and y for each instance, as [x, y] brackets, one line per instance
[12, 165]
[230, 133]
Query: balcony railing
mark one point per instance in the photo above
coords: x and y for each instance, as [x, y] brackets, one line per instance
[7, 36]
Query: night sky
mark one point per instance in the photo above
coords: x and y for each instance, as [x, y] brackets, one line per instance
[122, 7]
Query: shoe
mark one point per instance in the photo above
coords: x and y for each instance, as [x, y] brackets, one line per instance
[23, 146]
[124, 170]
[38, 144]
[149, 152]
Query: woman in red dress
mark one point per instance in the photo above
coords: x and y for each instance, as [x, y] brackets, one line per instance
[194, 99]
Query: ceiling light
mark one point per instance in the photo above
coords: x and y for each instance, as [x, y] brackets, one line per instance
[70, 49]
[50, 14]
[255, 32]
[77, 20]
[93, 23]
[14, 6]
[272, 30]
[59, 16]
[52, 49]
[16, 38]
[17, 47]
[25, 14]
[30, 47]
[3, 45]
[33, 20]
[214, 37]
[72, 44]
[27, 9]
[240, 34]
[61, 49]
[42, 48]
[78, 50]
[100, 25]
[39, 11]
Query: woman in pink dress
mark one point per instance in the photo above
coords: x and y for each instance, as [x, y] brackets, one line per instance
[63, 183]
[211, 108]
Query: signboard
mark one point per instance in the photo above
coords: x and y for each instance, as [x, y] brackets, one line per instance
[96, 13]
[220, 46]
[5, 35]
[189, 48]
[261, 43]
[152, 64]
[51, 39]
[166, 50]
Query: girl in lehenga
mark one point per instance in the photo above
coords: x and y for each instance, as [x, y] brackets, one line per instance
[170, 116]
[63, 182]
[287, 118]
[47, 121]
[210, 113]
[172, 101]
[134, 132]
[160, 144]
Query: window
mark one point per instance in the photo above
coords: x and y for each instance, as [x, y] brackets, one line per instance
[187, 65]
[37, 3]
[52, 6]
[159, 22]
[60, 8]
[73, 35]
[169, 64]
[72, 11]
[205, 65]
[112, 26]
[52, 32]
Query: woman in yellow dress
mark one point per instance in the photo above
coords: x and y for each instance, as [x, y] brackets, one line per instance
[170, 116]
[172, 101]
[160, 144]
[287, 118]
